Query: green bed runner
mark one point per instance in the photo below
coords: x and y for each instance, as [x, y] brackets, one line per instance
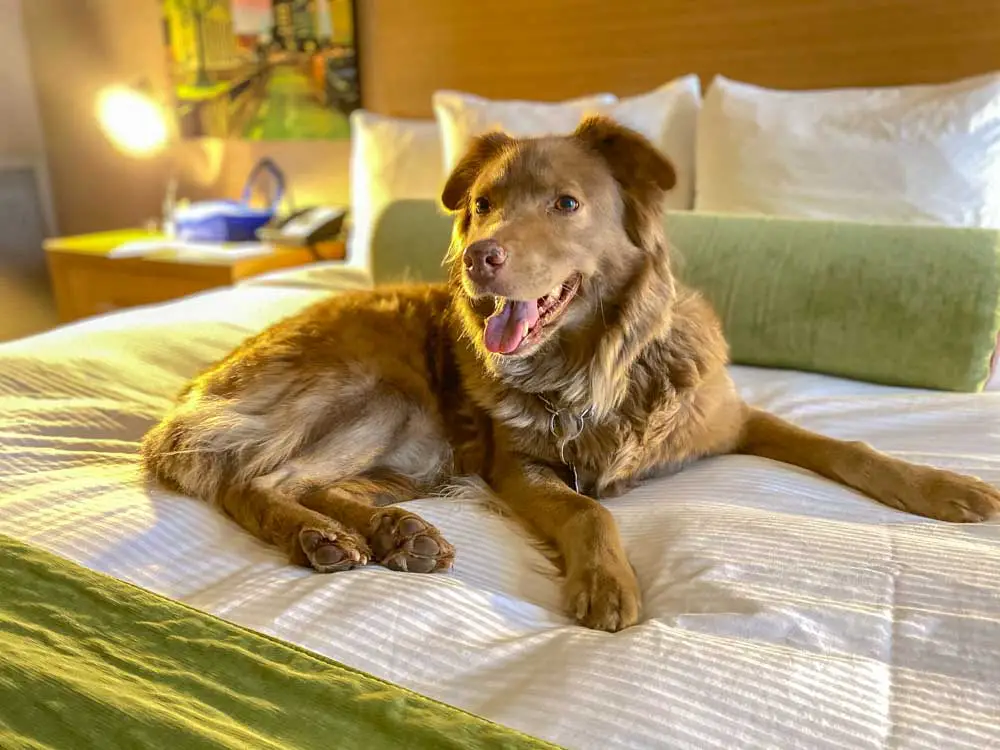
[88, 661]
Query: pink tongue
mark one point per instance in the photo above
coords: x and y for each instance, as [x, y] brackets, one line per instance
[506, 329]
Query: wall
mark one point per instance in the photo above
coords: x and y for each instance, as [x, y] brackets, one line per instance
[21, 132]
[78, 48]
[26, 304]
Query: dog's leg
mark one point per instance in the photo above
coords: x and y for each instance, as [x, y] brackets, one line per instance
[399, 540]
[340, 525]
[915, 488]
[314, 498]
[308, 537]
[400, 454]
[601, 588]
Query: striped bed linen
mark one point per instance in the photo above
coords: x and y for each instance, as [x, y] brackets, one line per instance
[780, 610]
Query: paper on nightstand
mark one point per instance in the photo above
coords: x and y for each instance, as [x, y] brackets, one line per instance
[180, 249]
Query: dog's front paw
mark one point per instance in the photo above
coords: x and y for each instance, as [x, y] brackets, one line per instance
[332, 548]
[605, 596]
[404, 541]
[946, 496]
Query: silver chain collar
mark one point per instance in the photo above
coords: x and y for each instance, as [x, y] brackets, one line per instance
[566, 426]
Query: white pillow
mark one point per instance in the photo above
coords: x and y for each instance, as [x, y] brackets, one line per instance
[462, 116]
[927, 154]
[667, 116]
[391, 159]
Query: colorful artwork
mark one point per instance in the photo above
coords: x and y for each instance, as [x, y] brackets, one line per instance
[262, 69]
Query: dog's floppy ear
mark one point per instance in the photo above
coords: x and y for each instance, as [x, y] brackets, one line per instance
[482, 150]
[635, 162]
[640, 169]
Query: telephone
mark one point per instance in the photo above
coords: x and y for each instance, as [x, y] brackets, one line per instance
[306, 227]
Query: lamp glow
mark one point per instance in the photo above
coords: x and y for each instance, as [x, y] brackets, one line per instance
[134, 122]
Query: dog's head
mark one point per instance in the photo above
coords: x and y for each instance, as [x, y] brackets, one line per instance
[550, 232]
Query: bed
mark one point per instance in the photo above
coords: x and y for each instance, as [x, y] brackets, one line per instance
[781, 610]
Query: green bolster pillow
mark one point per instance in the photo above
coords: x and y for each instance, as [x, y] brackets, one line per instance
[409, 242]
[905, 305]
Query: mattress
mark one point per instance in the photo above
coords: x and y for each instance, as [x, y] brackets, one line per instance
[780, 610]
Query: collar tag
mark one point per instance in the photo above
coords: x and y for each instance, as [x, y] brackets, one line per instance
[566, 426]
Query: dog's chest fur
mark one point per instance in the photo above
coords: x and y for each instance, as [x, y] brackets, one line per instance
[658, 425]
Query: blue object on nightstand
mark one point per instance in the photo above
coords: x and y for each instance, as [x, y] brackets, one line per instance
[228, 220]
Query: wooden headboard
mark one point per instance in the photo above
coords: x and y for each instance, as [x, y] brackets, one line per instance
[554, 49]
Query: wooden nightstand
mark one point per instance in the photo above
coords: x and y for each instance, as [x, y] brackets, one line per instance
[87, 282]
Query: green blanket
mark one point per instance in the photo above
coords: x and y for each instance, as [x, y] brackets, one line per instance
[87, 661]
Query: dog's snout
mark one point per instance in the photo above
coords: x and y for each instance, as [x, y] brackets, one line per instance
[484, 258]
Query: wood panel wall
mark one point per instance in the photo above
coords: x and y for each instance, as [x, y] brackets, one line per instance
[553, 49]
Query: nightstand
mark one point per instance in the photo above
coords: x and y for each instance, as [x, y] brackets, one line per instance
[87, 282]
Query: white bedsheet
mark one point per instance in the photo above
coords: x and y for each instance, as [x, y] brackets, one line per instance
[780, 610]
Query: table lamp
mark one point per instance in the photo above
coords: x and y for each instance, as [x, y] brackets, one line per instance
[133, 120]
[138, 125]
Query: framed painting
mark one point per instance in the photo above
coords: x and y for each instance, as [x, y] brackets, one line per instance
[262, 69]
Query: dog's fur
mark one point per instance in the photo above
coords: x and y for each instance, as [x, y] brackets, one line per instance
[310, 432]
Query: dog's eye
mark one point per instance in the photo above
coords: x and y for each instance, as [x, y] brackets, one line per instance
[482, 205]
[567, 204]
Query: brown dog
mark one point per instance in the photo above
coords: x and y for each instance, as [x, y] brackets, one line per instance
[562, 363]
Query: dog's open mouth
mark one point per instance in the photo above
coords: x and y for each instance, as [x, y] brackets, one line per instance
[519, 323]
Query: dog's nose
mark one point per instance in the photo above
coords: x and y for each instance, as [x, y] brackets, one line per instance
[484, 258]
